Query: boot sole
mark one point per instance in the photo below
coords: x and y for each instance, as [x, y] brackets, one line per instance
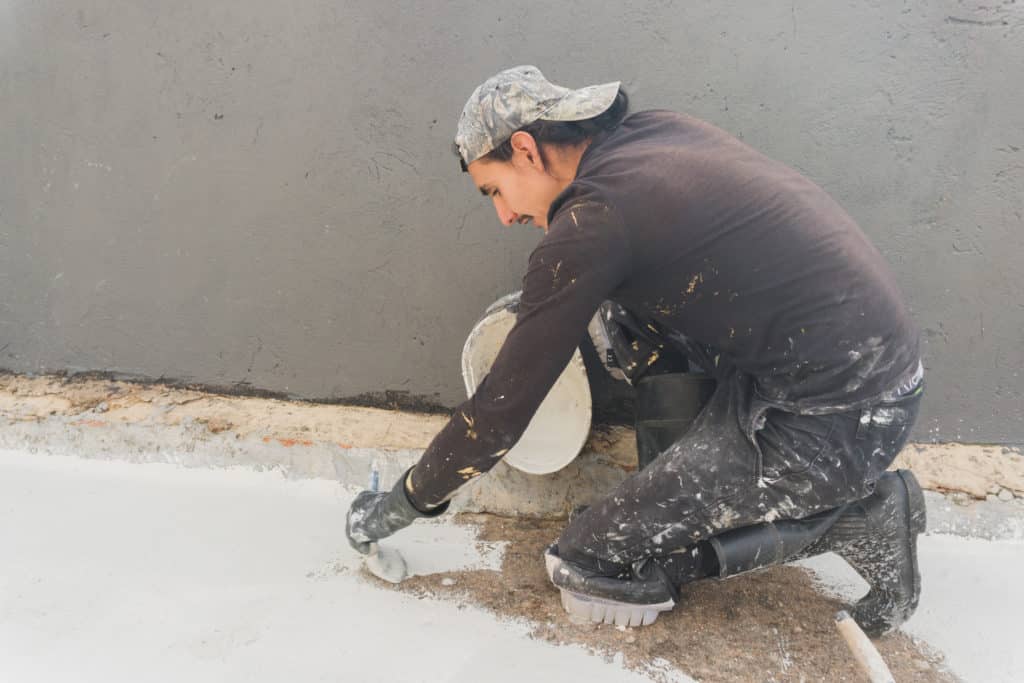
[915, 502]
[602, 610]
[918, 522]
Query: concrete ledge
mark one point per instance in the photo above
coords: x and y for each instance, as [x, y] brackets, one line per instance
[974, 469]
[150, 423]
[504, 491]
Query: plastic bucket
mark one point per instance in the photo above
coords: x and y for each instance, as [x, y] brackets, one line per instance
[561, 425]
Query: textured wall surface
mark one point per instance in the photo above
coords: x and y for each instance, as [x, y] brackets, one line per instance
[262, 194]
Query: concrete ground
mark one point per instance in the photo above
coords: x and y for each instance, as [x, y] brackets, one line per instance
[114, 571]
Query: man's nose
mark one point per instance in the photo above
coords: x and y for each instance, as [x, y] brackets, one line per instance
[506, 215]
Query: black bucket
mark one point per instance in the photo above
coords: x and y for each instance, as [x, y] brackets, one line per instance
[666, 406]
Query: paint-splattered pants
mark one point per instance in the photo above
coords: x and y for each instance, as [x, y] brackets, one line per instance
[741, 462]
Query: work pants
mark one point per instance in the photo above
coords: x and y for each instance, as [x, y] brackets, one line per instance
[740, 463]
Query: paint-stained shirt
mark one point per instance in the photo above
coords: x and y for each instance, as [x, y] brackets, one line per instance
[714, 245]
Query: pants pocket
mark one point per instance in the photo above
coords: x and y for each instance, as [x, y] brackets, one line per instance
[791, 444]
[883, 431]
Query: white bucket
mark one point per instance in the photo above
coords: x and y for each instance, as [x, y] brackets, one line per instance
[561, 425]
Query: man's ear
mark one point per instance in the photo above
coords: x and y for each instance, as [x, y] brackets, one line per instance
[523, 143]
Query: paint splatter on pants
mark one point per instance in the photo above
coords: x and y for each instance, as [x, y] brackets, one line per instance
[740, 463]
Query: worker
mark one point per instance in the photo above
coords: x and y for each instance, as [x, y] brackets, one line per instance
[733, 265]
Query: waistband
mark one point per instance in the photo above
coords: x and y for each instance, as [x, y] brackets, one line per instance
[906, 385]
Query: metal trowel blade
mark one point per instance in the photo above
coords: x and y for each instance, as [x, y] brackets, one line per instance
[386, 564]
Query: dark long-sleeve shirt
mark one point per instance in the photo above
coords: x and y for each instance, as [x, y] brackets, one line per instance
[688, 227]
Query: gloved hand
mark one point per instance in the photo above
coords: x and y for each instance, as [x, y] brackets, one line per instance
[378, 514]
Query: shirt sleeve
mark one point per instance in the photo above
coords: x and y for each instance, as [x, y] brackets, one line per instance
[583, 258]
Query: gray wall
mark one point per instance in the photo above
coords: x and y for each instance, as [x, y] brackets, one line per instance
[262, 193]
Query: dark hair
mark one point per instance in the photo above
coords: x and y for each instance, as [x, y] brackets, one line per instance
[563, 133]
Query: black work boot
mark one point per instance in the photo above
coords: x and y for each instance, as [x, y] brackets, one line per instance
[666, 406]
[877, 536]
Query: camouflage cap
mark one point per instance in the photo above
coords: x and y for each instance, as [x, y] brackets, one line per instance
[517, 97]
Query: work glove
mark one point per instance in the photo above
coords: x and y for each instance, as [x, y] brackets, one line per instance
[378, 514]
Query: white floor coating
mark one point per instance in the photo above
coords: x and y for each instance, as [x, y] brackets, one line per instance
[123, 572]
[972, 598]
[117, 572]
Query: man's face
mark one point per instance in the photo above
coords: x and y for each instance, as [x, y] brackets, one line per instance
[521, 188]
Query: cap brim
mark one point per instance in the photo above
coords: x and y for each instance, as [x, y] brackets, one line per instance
[585, 103]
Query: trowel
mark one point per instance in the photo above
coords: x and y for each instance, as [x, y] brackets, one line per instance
[384, 563]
